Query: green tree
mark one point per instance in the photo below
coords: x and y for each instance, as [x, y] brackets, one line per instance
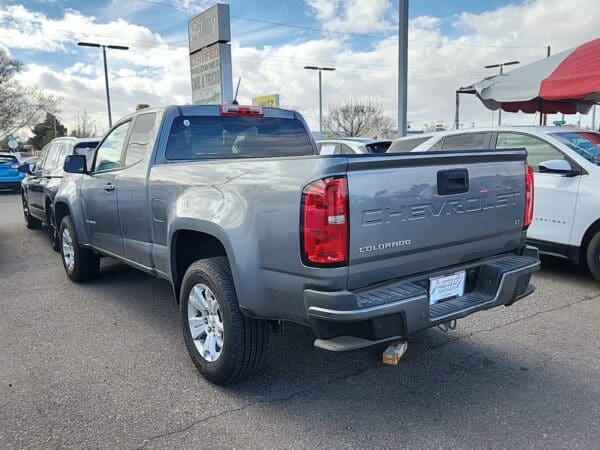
[47, 130]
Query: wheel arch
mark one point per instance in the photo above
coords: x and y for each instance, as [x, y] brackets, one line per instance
[61, 209]
[186, 247]
[49, 207]
[591, 231]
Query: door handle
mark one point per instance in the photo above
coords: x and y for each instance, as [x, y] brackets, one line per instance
[109, 187]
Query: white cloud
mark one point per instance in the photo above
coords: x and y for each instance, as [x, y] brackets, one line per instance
[157, 72]
[353, 16]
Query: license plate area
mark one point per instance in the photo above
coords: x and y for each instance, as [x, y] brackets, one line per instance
[446, 287]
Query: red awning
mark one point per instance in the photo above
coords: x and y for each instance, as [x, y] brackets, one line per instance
[568, 82]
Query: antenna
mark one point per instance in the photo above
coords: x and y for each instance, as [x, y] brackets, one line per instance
[235, 102]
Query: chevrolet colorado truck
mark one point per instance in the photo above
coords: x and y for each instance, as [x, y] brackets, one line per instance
[234, 207]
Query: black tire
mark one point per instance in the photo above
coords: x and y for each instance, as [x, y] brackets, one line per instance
[245, 340]
[86, 264]
[52, 231]
[593, 256]
[30, 222]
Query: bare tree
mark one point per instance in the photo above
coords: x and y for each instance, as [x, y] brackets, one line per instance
[84, 126]
[353, 117]
[20, 106]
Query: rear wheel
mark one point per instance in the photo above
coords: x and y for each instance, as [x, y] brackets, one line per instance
[80, 264]
[593, 256]
[225, 345]
[30, 222]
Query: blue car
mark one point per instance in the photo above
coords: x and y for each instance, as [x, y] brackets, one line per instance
[10, 177]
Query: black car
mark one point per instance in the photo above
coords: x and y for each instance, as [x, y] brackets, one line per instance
[44, 178]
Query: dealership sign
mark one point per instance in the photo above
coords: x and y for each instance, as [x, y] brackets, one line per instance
[210, 56]
[211, 74]
[270, 101]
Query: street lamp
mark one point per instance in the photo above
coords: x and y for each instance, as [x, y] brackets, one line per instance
[104, 47]
[320, 94]
[501, 65]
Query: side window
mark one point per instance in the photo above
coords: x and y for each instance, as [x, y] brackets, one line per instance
[63, 151]
[108, 155]
[140, 140]
[50, 161]
[345, 150]
[436, 146]
[327, 148]
[537, 150]
[40, 161]
[406, 145]
[467, 141]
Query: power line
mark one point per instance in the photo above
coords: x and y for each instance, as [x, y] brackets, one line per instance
[277, 60]
[370, 36]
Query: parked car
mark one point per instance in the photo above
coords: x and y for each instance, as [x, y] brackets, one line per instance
[10, 177]
[567, 174]
[43, 179]
[351, 146]
[231, 206]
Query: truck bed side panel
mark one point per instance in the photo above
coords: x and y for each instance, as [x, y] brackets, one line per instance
[253, 207]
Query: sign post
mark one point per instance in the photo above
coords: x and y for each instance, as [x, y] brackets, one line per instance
[210, 55]
[13, 142]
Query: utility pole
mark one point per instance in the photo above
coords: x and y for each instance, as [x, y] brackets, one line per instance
[104, 47]
[402, 66]
[501, 65]
[320, 69]
[544, 117]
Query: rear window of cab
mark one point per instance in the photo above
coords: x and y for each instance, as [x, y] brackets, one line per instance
[219, 137]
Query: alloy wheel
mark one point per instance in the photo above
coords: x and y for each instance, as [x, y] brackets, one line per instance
[68, 250]
[205, 322]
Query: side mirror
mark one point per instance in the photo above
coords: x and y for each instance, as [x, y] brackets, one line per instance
[25, 168]
[75, 164]
[559, 167]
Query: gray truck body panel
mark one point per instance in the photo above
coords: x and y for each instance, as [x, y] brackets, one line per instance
[400, 225]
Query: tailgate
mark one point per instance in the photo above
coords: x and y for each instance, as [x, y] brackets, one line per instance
[425, 211]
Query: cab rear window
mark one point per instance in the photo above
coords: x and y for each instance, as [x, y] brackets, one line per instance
[8, 160]
[218, 137]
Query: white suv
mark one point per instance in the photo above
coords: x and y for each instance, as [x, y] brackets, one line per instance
[566, 162]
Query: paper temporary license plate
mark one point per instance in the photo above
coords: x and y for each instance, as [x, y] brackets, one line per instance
[446, 286]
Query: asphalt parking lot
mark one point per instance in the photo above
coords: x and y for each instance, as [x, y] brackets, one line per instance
[103, 364]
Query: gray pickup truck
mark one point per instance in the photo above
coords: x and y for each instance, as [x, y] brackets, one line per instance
[232, 205]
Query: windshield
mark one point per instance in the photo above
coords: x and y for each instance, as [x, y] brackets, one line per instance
[586, 143]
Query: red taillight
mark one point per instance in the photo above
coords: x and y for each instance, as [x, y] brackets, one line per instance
[528, 196]
[324, 231]
[237, 110]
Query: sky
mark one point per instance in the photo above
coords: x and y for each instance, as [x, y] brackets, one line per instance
[449, 44]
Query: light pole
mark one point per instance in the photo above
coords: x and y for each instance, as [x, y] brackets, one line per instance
[104, 47]
[402, 66]
[501, 65]
[320, 69]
